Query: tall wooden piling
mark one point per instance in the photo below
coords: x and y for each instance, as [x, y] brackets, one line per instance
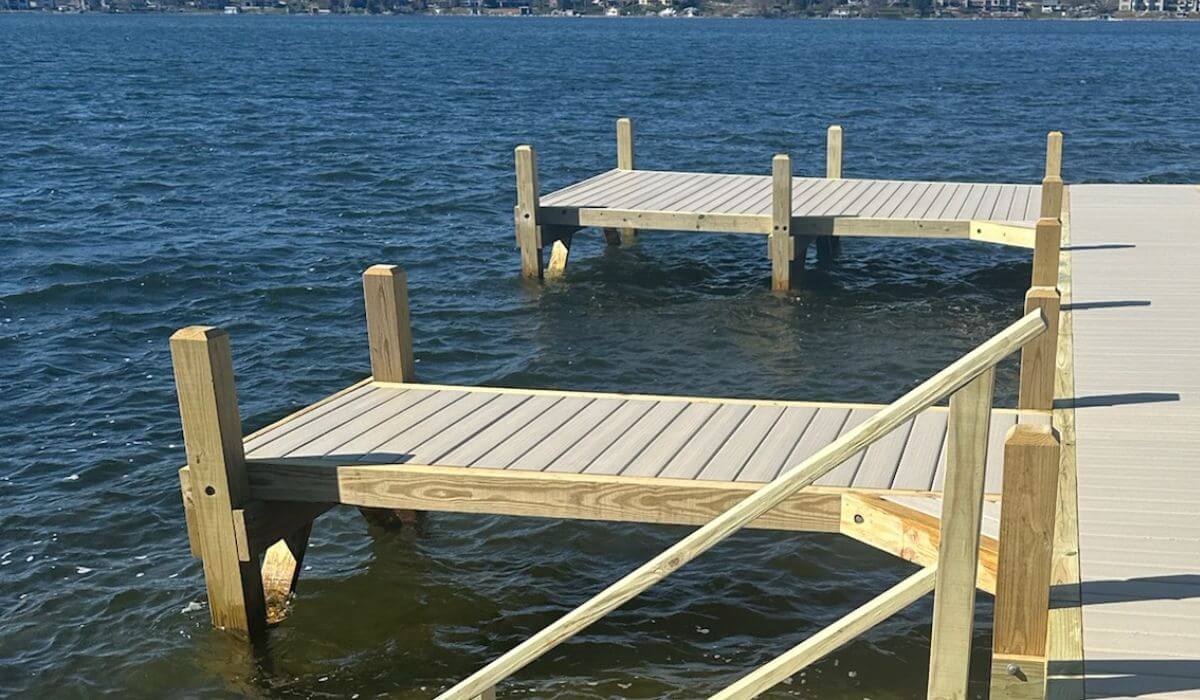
[529, 235]
[625, 161]
[1031, 464]
[829, 247]
[787, 264]
[958, 551]
[212, 436]
[389, 328]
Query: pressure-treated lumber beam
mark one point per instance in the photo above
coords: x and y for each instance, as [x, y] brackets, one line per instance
[1038, 357]
[212, 435]
[1031, 464]
[537, 494]
[968, 371]
[833, 636]
[529, 236]
[389, 328]
[958, 552]
[908, 534]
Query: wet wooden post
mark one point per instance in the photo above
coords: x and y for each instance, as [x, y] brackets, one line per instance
[623, 236]
[529, 234]
[389, 335]
[212, 436]
[1027, 512]
[787, 263]
[281, 572]
[830, 247]
[958, 551]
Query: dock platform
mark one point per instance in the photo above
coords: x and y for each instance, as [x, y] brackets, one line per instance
[793, 212]
[1075, 509]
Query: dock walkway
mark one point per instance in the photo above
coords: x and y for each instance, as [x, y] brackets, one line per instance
[1134, 258]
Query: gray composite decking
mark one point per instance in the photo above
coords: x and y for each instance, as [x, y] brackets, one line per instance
[750, 195]
[1135, 272]
[604, 434]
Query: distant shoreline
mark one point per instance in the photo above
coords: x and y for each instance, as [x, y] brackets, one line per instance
[444, 15]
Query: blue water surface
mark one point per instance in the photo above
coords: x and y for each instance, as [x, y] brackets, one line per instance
[160, 171]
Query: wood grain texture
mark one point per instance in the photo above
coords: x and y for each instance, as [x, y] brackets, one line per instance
[526, 213]
[1031, 463]
[212, 435]
[833, 152]
[958, 551]
[389, 328]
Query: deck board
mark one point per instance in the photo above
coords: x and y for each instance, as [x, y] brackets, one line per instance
[609, 435]
[1134, 286]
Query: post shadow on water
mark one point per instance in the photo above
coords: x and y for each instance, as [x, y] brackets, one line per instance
[1127, 677]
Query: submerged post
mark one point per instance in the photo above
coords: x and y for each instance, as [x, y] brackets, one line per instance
[529, 236]
[623, 236]
[1031, 463]
[787, 266]
[1039, 356]
[212, 436]
[958, 551]
[389, 328]
[829, 247]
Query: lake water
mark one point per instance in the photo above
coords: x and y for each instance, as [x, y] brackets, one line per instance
[159, 171]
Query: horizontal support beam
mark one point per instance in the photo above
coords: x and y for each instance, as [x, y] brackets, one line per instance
[537, 494]
[656, 220]
[909, 534]
[985, 231]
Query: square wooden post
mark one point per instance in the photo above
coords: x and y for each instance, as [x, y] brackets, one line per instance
[529, 234]
[1031, 464]
[212, 436]
[1054, 144]
[1052, 183]
[1039, 356]
[958, 551]
[829, 247]
[787, 266]
[623, 236]
[1046, 250]
[389, 329]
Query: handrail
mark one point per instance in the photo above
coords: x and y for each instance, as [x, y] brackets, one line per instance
[953, 377]
[846, 628]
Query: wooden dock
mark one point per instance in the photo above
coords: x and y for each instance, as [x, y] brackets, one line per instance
[1075, 509]
[793, 212]
[1136, 337]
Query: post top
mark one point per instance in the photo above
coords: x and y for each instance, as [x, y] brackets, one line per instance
[524, 148]
[835, 127]
[384, 270]
[1048, 222]
[781, 158]
[1031, 435]
[197, 333]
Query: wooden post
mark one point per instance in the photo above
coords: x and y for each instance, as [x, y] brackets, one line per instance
[1054, 141]
[529, 235]
[389, 330]
[833, 152]
[1031, 463]
[829, 247]
[625, 161]
[1052, 197]
[958, 551]
[212, 436]
[787, 268]
[1046, 249]
[1039, 356]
